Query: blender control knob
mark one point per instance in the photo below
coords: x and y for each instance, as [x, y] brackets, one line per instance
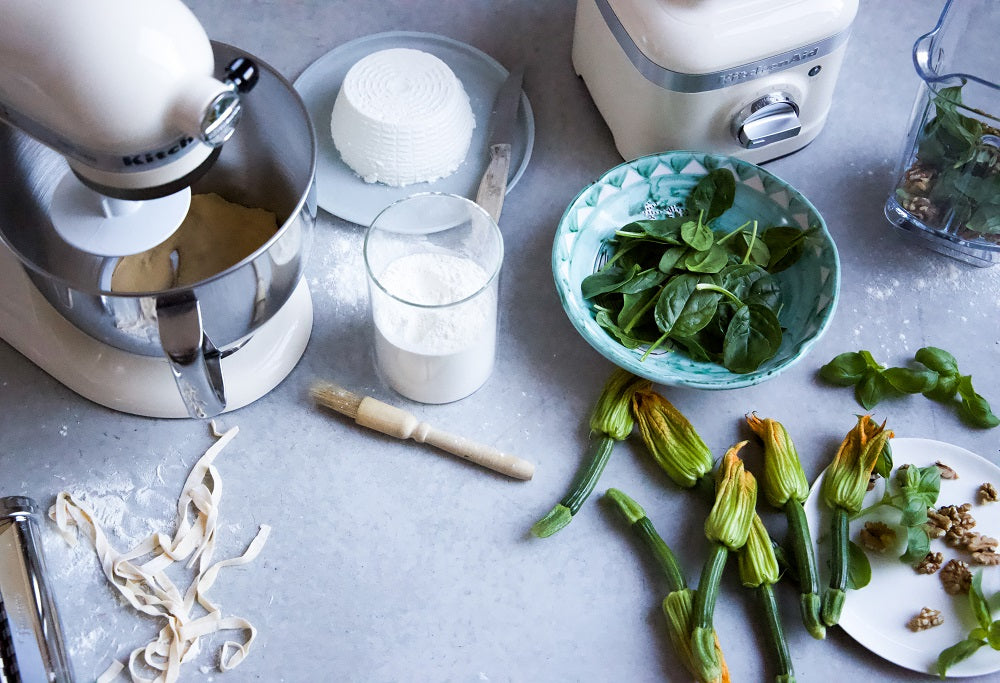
[771, 118]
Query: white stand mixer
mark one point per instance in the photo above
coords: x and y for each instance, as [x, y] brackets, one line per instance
[132, 96]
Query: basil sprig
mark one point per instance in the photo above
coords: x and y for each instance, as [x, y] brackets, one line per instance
[987, 631]
[677, 283]
[938, 378]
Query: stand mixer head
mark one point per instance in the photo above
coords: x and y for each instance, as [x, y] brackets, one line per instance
[130, 105]
[129, 99]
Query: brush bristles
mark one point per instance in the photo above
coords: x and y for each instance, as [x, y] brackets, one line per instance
[336, 398]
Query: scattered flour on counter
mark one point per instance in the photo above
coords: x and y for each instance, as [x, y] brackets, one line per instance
[341, 269]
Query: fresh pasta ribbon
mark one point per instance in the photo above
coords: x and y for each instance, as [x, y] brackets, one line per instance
[140, 576]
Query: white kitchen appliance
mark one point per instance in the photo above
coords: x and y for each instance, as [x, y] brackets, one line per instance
[747, 78]
[118, 111]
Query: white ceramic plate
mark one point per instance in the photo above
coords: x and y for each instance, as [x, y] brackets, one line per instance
[876, 615]
[339, 190]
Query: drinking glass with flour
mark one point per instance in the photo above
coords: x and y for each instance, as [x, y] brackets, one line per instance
[433, 263]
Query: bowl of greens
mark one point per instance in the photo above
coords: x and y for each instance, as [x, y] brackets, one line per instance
[696, 270]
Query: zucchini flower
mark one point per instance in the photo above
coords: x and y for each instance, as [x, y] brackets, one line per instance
[670, 439]
[677, 604]
[677, 608]
[846, 480]
[731, 516]
[783, 478]
[759, 570]
[786, 488]
[727, 527]
[843, 490]
[610, 421]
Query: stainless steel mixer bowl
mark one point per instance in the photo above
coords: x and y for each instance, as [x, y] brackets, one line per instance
[269, 163]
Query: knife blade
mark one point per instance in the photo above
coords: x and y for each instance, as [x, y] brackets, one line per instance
[493, 185]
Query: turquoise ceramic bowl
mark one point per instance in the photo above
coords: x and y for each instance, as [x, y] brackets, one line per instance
[644, 188]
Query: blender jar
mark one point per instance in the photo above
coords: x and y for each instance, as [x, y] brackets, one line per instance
[947, 188]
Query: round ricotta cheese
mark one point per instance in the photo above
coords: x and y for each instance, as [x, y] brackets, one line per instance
[402, 117]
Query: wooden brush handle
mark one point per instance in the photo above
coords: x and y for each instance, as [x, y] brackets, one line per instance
[396, 422]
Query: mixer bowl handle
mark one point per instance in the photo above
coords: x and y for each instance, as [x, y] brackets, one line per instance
[194, 360]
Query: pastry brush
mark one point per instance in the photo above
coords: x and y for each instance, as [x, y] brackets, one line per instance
[382, 417]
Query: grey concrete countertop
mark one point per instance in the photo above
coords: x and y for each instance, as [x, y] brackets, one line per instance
[391, 562]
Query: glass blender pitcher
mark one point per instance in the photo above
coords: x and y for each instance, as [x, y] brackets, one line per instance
[947, 188]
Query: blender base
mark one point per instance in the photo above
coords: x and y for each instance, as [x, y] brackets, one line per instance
[136, 384]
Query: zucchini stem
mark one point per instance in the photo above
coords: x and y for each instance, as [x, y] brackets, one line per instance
[783, 661]
[833, 599]
[702, 630]
[583, 484]
[805, 568]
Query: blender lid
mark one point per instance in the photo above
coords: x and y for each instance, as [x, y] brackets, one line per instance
[704, 45]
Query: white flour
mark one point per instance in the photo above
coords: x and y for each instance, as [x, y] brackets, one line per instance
[435, 352]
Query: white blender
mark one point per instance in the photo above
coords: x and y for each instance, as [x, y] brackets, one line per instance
[118, 111]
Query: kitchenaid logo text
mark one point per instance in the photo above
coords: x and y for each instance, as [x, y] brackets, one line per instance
[148, 158]
[763, 68]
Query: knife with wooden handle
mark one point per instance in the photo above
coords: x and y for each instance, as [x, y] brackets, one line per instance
[493, 186]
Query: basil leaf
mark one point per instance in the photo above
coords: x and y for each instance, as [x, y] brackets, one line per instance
[910, 381]
[977, 601]
[859, 568]
[682, 309]
[938, 360]
[883, 466]
[945, 388]
[993, 635]
[975, 409]
[713, 195]
[958, 652]
[753, 337]
[846, 369]
[872, 388]
[918, 544]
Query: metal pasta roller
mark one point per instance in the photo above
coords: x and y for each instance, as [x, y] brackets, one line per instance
[31, 642]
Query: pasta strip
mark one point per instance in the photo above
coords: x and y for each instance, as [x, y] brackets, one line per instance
[140, 576]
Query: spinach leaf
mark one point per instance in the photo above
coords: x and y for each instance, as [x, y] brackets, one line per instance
[663, 229]
[671, 257]
[642, 281]
[713, 195]
[682, 308]
[753, 336]
[697, 235]
[605, 281]
[785, 245]
[711, 260]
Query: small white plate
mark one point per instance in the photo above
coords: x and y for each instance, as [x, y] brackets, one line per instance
[876, 615]
[339, 190]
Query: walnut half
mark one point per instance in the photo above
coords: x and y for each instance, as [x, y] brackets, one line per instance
[956, 577]
[987, 493]
[930, 564]
[877, 536]
[927, 618]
